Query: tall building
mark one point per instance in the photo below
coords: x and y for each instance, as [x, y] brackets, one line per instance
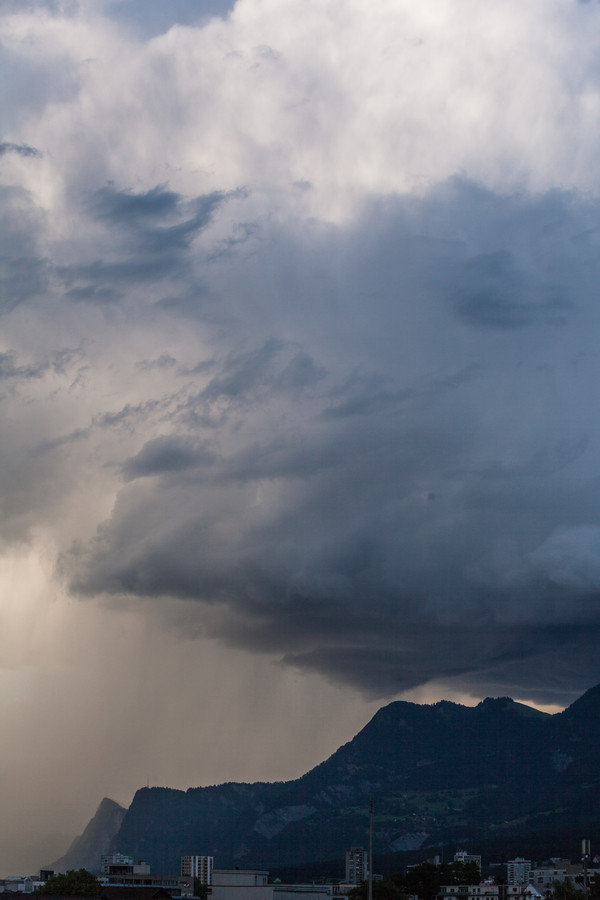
[517, 870]
[200, 867]
[357, 865]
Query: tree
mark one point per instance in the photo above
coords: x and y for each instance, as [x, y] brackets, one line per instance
[382, 890]
[78, 882]
[564, 890]
[200, 889]
[425, 880]
[594, 887]
[461, 873]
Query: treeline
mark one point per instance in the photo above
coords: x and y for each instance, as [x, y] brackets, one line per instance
[426, 879]
[423, 880]
[74, 883]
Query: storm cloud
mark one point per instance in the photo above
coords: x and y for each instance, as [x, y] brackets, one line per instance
[407, 475]
[298, 366]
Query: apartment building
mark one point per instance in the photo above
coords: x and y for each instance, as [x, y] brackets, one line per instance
[200, 867]
[357, 865]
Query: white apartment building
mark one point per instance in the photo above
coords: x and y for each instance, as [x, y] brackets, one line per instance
[357, 865]
[489, 892]
[470, 891]
[200, 867]
[517, 870]
[544, 877]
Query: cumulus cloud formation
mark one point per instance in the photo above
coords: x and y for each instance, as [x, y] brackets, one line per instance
[298, 354]
[409, 471]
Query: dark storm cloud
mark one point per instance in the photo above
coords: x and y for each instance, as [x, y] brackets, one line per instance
[80, 434]
[288, 458]
[164, 455]
[244, 374]
[189, 303]
[499, 664]
[19, 149]
[242, 233]
[12, 370]
[275, 369]
[91, 293]
[490, 291]
[363, 395]
[23, 268]
[164, 361]
[95, 281]
[300, 372]
[22, 279]
[150, 234]
[159, 221]
[130, 415]
[408, 491]
[123, 206]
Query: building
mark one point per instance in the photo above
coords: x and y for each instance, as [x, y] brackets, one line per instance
[115, 872]
[357, 865]
[561, 870]
[517, 870]
[124, 873]
[240, 884]
[470, 892]
[311, 891]
[176, 886]
[114, 859]
[461, 856]
[200, 867]
[135, 893]
[545, 876]
[16, 884]
[489, 892]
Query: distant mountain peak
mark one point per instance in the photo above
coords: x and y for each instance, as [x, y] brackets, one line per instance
[585, 705]
[508, 705]
[86, 850]
[108, 805]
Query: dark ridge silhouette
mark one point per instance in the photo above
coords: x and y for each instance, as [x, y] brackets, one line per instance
[440, 774]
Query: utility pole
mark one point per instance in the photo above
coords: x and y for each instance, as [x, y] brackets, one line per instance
[371, 847]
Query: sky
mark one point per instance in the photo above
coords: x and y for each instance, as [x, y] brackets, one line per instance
[299, 371]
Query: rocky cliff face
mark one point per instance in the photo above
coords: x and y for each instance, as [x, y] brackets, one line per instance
[86, 850]
[443, 772]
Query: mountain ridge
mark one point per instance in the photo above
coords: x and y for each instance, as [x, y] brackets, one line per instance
[438, 772]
